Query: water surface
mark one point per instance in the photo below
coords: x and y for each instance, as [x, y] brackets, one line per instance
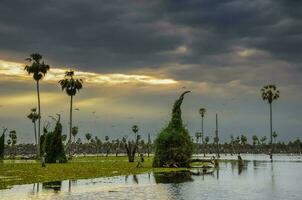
[258, 179]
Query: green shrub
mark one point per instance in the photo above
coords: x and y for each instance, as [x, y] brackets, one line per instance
[54, 147]
[174, 146]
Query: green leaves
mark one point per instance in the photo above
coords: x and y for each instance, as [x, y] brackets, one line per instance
[174, 145]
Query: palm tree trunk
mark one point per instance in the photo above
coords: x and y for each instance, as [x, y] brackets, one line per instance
[39, 120]
[35, 130]
[202, 137]
[70, 126]
[271, 130]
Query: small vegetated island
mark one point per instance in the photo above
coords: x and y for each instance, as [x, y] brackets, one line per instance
[174, 146]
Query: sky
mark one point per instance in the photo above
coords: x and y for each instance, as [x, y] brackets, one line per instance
[137, 56]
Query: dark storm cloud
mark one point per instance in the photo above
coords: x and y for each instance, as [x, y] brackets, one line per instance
[117, 36]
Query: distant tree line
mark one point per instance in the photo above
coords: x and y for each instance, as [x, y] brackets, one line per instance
[116, 146]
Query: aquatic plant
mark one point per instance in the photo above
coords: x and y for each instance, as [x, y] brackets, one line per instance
[174, 146]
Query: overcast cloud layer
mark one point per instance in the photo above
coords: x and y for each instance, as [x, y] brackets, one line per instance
[223, 50]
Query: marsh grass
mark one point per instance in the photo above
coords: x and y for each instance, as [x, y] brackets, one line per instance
[78, 168]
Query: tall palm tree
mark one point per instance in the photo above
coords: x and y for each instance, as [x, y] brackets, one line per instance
[74, 132]
[206, 141]
[198, 135]
[270, 93]
[137, 137]
[33, 116]
[135, 130]
[88, 137]
[71, 86]
[39, 69]
[202, 112]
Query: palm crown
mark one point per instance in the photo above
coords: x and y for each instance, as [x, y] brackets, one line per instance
[37, 68]
[202, 111]
[74, 131]
[135, 128]
[33, 116]
[270, 93]
[71, 85]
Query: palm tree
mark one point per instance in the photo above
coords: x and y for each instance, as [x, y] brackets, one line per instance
[74, 132]
[270, 93]
[13, 137]
[206, 141]
[275, 135]
[263, 141]
[198, 135]
[71, 86]
[255, 141]
[202, 112]
[243, 140]
[107, 144]
[33, 116]
[88, 137]
[232, 142]
[39, 70]
[135, 130]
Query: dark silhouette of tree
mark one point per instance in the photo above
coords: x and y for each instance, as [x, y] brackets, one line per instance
[98, 144]
[270, 93]
[132, 146]
[39, 69]
[88, 137]
[2, 143]
[13, 138]
[275, 135]
[202, 112]
[206, 141]
[34, 116]
[149, 145]
[263, 139]
[107, 145]
[255, 142]
[71, 87]
[198, 136]
[74, 132]
[64, 137]
[54, 147]
[174, 146]
[135, 130]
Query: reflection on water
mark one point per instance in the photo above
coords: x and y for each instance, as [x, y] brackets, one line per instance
[54, 185]
[173, 177]
[256, 179]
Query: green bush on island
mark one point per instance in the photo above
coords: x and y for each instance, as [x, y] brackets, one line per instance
[174, 146]
[54, 148]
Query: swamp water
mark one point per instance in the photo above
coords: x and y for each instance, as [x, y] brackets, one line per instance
[258, 179]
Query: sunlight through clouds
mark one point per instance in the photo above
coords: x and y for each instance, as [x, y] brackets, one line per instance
[55, 74]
